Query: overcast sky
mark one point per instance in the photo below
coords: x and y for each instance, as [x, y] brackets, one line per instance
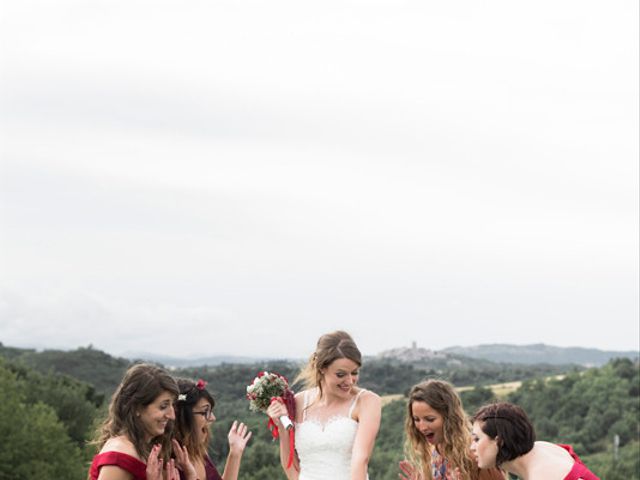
[202, 178]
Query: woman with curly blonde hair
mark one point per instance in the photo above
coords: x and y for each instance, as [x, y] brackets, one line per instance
[438, 437]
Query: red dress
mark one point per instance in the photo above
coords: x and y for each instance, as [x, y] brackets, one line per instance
[121, 460]
[211, 473]
[210, 468]
[579, 469]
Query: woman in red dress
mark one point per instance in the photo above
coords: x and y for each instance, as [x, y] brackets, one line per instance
[133, 441]
[194, 417]
[503, 436]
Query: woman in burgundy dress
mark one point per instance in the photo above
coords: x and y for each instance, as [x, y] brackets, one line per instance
[503, 436]
[133, 441]
[194, 416]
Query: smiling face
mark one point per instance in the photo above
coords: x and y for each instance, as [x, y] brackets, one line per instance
[340, 377]
[156, 415]
[483, 447]
[203, 418]
[428, 421]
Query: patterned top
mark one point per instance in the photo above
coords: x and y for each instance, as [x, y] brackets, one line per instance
[439, 466]
[440, 470]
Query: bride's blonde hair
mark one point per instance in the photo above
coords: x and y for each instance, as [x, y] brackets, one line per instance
[331, 346]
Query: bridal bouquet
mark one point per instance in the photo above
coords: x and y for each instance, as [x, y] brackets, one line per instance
[266, 388]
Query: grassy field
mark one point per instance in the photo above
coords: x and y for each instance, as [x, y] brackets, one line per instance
[500, 390]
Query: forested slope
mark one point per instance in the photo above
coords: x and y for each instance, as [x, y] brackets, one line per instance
[54, 413]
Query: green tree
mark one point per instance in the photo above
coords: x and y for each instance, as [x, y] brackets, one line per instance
[587, 410]
[476, 397]
[388, 449]
[34, 444]
[625, 467]
[74, 402]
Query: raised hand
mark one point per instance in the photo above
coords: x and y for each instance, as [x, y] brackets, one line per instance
[172, 472]
[183, 462]
[238, 437]
[409, 472]
[154, 464]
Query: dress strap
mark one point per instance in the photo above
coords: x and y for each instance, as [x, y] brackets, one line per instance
[353, 403]
[305, 402]
[305, 398]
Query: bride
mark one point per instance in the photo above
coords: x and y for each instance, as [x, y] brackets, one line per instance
[336, 422]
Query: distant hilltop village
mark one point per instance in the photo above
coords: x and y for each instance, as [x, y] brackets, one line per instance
[418, 355]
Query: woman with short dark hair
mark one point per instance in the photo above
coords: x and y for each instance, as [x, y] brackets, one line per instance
[503, 436]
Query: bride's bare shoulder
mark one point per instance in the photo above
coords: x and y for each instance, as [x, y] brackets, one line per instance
[370, 396]
[302, 393]
[304, 396]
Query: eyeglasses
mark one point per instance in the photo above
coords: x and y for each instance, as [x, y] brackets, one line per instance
[207, 414]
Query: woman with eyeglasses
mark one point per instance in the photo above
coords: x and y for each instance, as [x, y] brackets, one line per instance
[194, 417]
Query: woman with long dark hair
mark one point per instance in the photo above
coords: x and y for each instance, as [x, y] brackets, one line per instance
[194, 417]
[134, 440]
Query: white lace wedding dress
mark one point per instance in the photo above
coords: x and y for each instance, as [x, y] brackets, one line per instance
[324, 448]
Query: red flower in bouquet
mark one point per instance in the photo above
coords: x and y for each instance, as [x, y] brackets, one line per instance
[265, 388]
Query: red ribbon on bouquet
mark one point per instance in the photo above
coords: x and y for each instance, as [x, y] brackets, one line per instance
[269, 387]
[290, 402]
